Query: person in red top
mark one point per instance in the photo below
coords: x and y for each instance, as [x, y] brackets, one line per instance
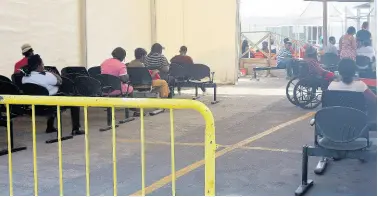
[27, 51]
[315, 69]
[182, 58]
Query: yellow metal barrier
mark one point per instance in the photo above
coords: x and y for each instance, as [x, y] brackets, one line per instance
[210, 145]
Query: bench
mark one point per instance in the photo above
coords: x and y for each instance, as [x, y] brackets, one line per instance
[263, 69]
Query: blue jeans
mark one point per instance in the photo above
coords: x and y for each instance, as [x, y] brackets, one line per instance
[288, 65]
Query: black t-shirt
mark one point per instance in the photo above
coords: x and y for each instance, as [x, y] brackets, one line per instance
[363, 35]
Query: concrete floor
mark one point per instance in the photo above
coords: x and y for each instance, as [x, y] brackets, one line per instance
[253, 114]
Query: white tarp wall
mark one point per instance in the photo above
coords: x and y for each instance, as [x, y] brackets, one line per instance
[210, 34]
[83, 33]
[51, 27]
[116, 23]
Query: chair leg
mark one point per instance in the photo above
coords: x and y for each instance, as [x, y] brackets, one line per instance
[61, 134]
[108, 121]
[127, 117]
[156, 112]
[306, 184]
[322, 165]
[215, 101]
[196, 91]
[13, 149]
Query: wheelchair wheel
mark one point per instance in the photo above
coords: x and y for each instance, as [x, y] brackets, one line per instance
[290, 90]
[307, 95]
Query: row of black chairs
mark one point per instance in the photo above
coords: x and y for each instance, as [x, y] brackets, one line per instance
[192, 75]
[180, 75]
[76, 82]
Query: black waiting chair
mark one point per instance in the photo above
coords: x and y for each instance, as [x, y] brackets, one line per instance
[88, 87]
[111, 87]
[73, 76]
[52, 69]
[364, 66]
[8, 88]
[68, 87]
[330, 61]
[5, 79]
[94, 71]
[46, 111]
[334, 136]
[141, 80]
[199, 72]
[75, 69]
[17, 79]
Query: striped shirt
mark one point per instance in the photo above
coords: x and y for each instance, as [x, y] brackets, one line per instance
[156, 60]
[284, 53]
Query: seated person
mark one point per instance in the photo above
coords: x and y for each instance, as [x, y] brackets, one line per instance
[347, 71]
[367, 50]
[35, 74]
[140, 55]
[27, 51]
[311, 57]
[156, 60]
[114, 66]
[285, 60]
[264, 48]
[331, 48]
[182, 58]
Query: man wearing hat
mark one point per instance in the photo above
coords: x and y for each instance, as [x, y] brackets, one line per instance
[27, 51]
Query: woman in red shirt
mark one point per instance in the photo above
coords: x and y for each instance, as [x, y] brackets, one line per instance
[311, 57]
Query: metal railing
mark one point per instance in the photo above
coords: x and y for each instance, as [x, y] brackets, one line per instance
[85, 102]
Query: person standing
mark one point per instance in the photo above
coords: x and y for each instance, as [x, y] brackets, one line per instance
[348, 45]
[27, 51]
[363, 35]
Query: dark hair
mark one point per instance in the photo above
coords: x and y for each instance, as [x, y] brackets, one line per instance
[119, 53]
[139, 53]
[28, 53]
[365, 25]
[183, 49]
[347, 70]
[157, 48]
[351, 30]
[311, 52]
[286, 40]
[34, 62]
[331, 39]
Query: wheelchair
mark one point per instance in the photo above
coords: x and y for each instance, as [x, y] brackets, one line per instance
[305, 90]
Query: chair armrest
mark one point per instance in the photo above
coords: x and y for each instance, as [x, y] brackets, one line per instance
[312, 122]
[212, 77]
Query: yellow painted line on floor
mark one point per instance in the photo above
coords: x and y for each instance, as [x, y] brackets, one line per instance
[167, 179]
[202, 145]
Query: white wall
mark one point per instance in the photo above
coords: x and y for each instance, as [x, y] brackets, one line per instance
[51, 27]
[116, 23]
[208, 28]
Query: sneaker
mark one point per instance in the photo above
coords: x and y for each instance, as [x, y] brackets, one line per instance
[78, 132]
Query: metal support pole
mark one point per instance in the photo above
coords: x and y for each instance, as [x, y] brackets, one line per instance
[325, 22]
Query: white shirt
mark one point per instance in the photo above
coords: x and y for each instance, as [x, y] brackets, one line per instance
[366, 51]
[47, 81]
[331, 49]
[355, 86]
